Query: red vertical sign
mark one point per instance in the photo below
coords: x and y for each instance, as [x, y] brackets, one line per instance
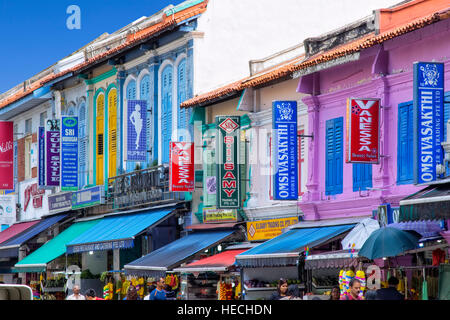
[181, 171]
[6, 155]
[363, 119]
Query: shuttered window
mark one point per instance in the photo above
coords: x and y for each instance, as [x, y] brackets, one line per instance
[166, 112]
[112, 132]
[362, 176]
[131, 95]
[82, 146]
[182, 91]
[145, 95]
[334, 156]
[405, 143]
[100, 103]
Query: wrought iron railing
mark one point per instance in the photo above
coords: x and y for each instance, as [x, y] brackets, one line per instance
[141, 187]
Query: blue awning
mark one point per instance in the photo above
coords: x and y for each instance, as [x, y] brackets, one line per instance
[175, 253]
[117, 232]
[285, 249]
[11, 247]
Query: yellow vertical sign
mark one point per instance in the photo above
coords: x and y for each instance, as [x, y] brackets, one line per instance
[268, 229]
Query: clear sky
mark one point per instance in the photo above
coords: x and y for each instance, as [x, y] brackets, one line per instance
[34, 35]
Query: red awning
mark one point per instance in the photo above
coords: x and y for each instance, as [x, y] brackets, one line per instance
[219, 262]
[15, 229]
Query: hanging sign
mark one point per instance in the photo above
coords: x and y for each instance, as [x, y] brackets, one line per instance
[88, 197]
[181, 170]
[53, 153]
[41, 156]
[227, 155]
[136, 130]
[363, 117]
[214, 215]
[59, 202]
[285, 156]
[428, 115]
[6, 155]
[268, 229]
[69, 154]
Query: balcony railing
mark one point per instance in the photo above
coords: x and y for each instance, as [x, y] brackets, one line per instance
[141, 187]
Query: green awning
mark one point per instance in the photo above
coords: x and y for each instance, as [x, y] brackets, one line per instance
[37, 261]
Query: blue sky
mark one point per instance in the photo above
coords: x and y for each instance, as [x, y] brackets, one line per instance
[34, 34]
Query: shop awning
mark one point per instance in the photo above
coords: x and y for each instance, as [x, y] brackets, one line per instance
[11, 247]
[15, 229]
[285, 249]
[175, 253]
[37, 261]
[220, 262]
[334, 259]
[431, 203]
[428, 229]
[117, 231]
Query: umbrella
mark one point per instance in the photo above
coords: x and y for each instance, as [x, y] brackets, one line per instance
[388, 242]
[360, 233]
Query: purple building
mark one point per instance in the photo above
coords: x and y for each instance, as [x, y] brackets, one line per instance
[377, 62]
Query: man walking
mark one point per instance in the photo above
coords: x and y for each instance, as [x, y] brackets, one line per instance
[159, 293]
[76, 294]
[390, 293]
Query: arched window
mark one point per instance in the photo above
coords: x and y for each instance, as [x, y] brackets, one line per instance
[166, 111]
[82, 145]
[100, 133]
[112, 132]
[145, 95]
[130, 95]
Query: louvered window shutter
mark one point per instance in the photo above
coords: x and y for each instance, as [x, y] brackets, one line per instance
[100, 138]
[182, 121]
[405, 143]
[131, 95]
[334, 156]
[82, 146]
[145, 95]
[166, 117]
[112, 134]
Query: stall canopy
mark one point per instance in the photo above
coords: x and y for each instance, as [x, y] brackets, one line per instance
[428, 229]
[15, 229]
[117, 231]
[11, 247]
[175, 253]
[220, 262]
[38, 260]
[430, 203]
[333, 259]
[284, 250]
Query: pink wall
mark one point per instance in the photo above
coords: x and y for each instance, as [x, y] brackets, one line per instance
[355, 79]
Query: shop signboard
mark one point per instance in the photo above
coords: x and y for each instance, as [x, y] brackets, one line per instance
[53, 153]
[181, 170]
[227, 155]
[69, 154]
[88, 197]
[7, 209]
[268, 229]
[101, 246]
[41, 156]
[285, 155]
[59, 202]
[362, 143]
[214, 215]
[428, 115]
[136, 130]
[6, 155]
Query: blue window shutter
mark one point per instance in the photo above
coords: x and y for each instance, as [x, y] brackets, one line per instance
[82, 147]
[181, 90]
[329, 156]
[362, 176]
[166, 116]
[405, 143]
[131, 95]
[339, 153]
[145, 95]
[334, 156]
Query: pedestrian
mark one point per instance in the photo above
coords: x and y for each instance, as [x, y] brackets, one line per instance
[132, 294]
[335, 293]
[355, 288]
[91, 295]
[370, 295]
[76, 294]
[150, 289]
[159, 293]
[292, 293]
[390, 293]
[281, 292]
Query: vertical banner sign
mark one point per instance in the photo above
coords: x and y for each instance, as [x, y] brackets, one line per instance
[363, 118]
[69, 154]
[227, 156]
[136, 130]
[41, 156]
[428, 120]
[181, 170]
[53, 153]
[285, 155]
[6, 155]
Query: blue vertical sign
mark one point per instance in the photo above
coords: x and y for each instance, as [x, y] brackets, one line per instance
[285, 181]
[137, 132]
[69, 154]
[428, 120]
[41, 156]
